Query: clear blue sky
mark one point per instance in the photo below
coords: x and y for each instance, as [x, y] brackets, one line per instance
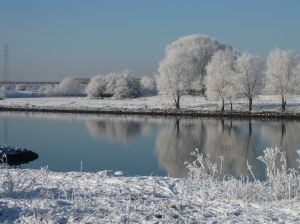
[52, 39]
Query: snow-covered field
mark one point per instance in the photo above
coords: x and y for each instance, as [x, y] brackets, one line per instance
[153, 103]
[42, 196]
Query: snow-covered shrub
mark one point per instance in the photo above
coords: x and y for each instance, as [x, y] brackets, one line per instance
[281, 183]
[111, 82]
[126, 87]
[120, 85]
[20, 87]
[46, 90]
[148, 85]
[97, 86]
[67, 87]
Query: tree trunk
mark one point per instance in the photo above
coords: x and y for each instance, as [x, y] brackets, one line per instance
[283, 102]
[230, 104]
[250, 104]
[177, 102]
[223, 106]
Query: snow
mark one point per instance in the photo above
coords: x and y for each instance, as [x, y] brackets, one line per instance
[42, 196]
[152, 103]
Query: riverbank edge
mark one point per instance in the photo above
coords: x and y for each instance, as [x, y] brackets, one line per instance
[162, 112]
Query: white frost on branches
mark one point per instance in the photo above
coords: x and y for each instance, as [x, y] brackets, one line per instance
[67, 87]
[97, 86]
[220, 79]
[185, 62]
[127, 86]
[120, 85]
[148, 85]
[280, 78]
[249, 70]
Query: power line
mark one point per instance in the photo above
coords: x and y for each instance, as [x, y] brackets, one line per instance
[6, 63]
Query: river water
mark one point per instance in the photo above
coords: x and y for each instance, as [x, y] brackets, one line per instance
[144, 145]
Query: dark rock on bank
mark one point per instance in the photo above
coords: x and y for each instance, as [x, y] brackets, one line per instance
[16, 156]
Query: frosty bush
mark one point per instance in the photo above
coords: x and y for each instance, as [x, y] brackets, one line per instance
[106, 197]
[20, 87]
[281, 183]
[97, 86]
[126, 87]
[148, 85]
[67, 87]
[120, 85]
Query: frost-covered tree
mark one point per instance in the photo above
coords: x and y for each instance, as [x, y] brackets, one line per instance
[111, 82]
[249, 70]
[296, 74]
[280, 78]
[172, 80]
[97, 86]
[120, 85]
[67, 87]
[185, 62]
[220, 76]
[127, 86]
[147, 85]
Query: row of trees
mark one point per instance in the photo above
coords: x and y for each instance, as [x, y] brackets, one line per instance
[203, 64]
[118, 85]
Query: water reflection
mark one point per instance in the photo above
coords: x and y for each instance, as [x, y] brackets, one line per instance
[235, 141]
[286, 135]
[117, 128]
[153, 144]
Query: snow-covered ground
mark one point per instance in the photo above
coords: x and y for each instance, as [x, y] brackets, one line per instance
[42, 196]
[154, 103]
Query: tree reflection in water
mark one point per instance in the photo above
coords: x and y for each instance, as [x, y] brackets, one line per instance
[236, 141]
[118, 128]
[286, 135]
[233, 140]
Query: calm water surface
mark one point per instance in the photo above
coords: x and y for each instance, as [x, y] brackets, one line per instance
[146, 145]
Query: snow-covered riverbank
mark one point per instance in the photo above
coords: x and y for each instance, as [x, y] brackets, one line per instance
[263, 106]
[40, 196]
